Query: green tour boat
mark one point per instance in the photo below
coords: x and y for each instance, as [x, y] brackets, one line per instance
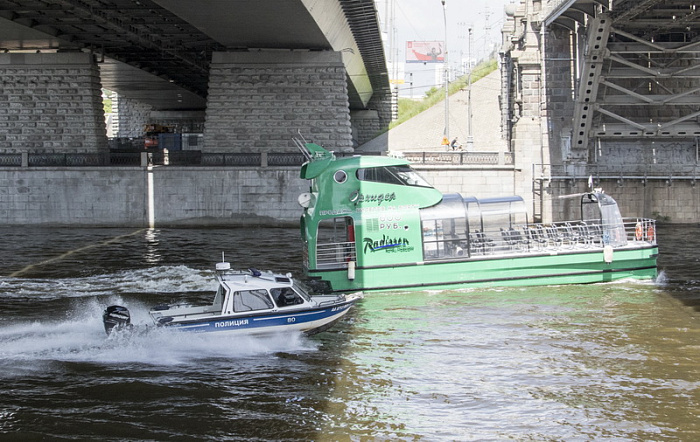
[372, 223]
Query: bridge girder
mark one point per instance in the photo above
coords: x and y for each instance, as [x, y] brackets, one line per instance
[166, 45]
[640, 70]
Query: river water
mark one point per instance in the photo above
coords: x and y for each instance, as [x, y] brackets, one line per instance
[616, 361]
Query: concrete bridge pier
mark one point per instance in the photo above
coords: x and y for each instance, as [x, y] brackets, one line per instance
[53, 103]
[524, 99]
[257, 101]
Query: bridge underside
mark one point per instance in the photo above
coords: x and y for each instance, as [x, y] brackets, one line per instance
[158, 53]
[638, 73]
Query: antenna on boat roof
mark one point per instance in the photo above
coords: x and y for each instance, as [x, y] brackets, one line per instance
[223, 265]
[300, 143]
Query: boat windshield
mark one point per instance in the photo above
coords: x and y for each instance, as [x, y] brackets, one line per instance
[302, 289]
[599, 208]
[401, 175]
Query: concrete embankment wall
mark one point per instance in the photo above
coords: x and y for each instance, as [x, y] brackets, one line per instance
[217, 196]
[178, 196]
[671, 201]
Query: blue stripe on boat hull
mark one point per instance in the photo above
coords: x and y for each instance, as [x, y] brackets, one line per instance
[305, 321]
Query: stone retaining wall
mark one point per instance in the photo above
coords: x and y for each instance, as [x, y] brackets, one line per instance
[209, 196]
[51, 103]
[258, 101]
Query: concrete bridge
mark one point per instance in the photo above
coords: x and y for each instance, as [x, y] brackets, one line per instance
[608, 89]
[248, 74]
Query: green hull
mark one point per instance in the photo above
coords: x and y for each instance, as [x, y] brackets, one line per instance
[579, 267]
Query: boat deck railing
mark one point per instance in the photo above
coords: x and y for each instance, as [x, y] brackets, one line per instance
[546, 238]
[515, 240]
[335, 255]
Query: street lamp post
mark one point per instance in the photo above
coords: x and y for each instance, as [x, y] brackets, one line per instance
[447, 92]
[470, 137]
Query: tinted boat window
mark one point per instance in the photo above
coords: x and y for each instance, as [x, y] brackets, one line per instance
[400, 175]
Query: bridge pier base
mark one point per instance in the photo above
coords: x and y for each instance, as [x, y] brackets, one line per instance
[258, 101]
[51, 102]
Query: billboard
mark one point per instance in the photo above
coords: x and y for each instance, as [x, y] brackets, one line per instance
[425, 52]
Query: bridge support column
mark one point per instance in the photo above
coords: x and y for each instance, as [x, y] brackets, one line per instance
[525, 87]
[258, 101]
[132, 117]
[51, 103]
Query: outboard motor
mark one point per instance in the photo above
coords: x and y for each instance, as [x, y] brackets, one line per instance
[116, 316]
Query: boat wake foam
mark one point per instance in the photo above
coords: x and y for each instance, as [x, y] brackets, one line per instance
[29, 346]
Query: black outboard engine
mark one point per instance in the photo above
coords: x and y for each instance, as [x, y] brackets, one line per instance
[116, 316]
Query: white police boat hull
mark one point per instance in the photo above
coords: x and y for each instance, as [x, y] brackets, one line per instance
[251, 302]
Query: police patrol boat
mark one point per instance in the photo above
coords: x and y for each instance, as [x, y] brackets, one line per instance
[372, 223]
[252, 302]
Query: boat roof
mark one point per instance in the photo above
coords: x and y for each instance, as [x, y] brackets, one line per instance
[321, 160]
[254, 279]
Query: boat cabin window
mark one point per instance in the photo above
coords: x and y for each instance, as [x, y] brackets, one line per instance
[444, 228]
[250, 300]
[400, 175]
[504, 212]
[459, 227]
[285, 297]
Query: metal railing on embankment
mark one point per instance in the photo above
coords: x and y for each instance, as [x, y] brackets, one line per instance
[643, 172]
[150, 158]
[460, 158]
[117, 158]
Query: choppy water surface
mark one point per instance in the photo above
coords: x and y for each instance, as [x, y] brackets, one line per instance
[617, 361]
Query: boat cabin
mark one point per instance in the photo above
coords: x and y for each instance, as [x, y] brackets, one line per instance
[260, 292]
[239, 293]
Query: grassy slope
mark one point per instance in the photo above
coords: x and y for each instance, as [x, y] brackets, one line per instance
[410, 108]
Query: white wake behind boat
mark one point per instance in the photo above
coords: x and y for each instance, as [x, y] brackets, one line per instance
[247, 302]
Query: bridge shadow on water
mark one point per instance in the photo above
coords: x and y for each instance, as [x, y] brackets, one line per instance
[678, 262]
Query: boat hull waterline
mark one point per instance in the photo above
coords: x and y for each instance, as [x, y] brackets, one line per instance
[307, 322]
[584, 268]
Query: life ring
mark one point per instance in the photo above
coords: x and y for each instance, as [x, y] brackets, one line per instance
[650, 233]
[638, 231]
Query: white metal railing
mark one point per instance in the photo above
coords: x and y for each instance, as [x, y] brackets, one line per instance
[335, 255]
[634, 232]
[573, 235]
